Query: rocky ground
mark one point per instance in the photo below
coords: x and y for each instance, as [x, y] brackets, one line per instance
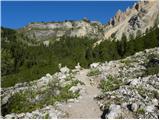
[127, 88]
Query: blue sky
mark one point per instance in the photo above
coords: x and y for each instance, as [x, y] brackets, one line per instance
[17, 14]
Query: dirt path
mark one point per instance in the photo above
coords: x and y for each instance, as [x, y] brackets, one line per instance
[86, 106]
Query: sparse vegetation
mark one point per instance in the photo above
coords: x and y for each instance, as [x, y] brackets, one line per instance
[94, 72]
[144, 92]
[33, 99]
[140, 111]
[126, 62]
[110, 84]
[152, 66]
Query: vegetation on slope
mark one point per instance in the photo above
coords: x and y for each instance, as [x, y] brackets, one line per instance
[22, 62]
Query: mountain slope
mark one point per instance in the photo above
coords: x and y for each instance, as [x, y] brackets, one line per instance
[143, 15]
[126, 88]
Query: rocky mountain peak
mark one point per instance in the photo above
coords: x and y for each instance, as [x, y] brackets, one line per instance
[141, 16]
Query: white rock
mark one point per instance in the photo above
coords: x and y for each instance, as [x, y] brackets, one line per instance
[78, 66]
[48, 76]
[10, 116]
[150, 108]
[134, 107]
[155, 102]
[74, 89]
[5, 99]
[115, 112]
[134, 82]
[65, 70]
[124, 105]
[28, 115]
[62, 77]
[21, 115]
[52, 115]
[94, 65]
[71, 100]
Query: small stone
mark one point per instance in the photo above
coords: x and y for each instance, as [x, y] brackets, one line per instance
[52, 115]
[150, 108]
[28, 115]
[124, 105]
[21, 115]
[74, 89]
[71, 100]
[155, 102]
[65, 70]
[10, 116]
[78, 66]
[94, 65]
[134, 107]
[49, 76]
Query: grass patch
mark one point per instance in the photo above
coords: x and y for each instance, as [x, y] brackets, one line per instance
[110, 84]
[94, 72]
[126, 62]
[145, 92]
[140, 111]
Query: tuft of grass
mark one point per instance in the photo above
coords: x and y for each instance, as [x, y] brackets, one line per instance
[140, 111]
[94, 72]
[110, 84]
[46, 116]
[126, 62]
[144, 92]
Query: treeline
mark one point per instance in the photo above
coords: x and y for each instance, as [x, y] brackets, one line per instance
[21, 62]
[112, 50]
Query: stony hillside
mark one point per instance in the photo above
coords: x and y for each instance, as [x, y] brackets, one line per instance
[134, 20]
[126, 88]
[55, 30]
